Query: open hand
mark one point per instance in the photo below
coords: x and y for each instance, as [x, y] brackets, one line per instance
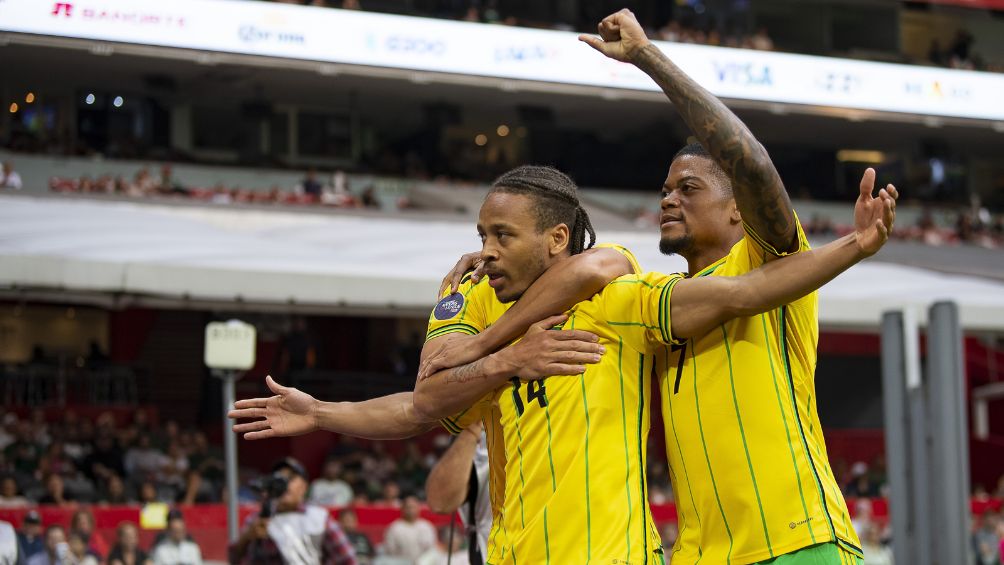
[289, 413]
[874, 216]
[621, 36]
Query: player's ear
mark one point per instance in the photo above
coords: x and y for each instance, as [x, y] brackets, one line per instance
[734, 216]
[558, 239]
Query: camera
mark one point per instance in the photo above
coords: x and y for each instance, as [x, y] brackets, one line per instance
[270, 488]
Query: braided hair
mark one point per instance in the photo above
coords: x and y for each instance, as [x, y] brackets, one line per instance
[557, 201]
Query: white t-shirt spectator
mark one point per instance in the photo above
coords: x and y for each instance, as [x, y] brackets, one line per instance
[144, 462]
[438, 556]
[168, 552]
[330, 493]
[10, 180]
[8, 544]
[409, 540]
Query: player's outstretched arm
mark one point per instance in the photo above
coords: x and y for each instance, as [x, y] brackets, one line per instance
[292, 412]
[760, 195]
[700, 304]
[541, 353]
[562, 286]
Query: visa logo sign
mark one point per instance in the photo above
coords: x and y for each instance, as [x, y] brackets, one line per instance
[743, 74]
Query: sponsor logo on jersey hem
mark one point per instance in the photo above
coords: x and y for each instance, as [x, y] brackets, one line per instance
[794, 525]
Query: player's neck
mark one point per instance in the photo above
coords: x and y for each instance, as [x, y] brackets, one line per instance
[699, 259]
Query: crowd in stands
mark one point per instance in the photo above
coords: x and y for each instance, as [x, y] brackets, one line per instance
[978, 228]
[959, 54]
[77, 461]
[82, 544]
[311, 190]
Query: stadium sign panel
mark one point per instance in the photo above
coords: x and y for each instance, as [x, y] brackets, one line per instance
[418, 44]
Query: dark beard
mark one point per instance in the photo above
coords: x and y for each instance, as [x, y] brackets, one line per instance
[675, 245]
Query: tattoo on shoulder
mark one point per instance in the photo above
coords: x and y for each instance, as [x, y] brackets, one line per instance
[466, 373]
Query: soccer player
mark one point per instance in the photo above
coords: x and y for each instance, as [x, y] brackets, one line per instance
[697, 303]
[744, 441]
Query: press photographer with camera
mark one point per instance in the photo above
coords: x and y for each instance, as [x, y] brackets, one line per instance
[287, 530]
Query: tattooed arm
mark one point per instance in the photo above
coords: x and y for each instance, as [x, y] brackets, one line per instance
[760, 195]
[541, 353]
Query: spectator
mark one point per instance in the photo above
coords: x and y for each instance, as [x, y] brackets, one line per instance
[351, 5]
[56, 461]
[9, 177]
[8, 433]
[369, 199]
[267, 539]
[175, 468]
[83, 525]
[8, 544]
[390, 496]
[40, 428]
[361, 544]
[143, 461]
[459, 481]
[670, 533]
[24, 453]
[177, 548]
[126, 550]
[986, 543]
[1000, 536]
[439, 555]
[148, 493]
[330, 489]
[410, 536]
[30, 540]
[861, 484]
[167, 184]
[310, 185]
[79, 553]
[9, 495]
[55, 550]
[862, 516]
[299, 354]
[55, 492]
[164, 437]
[206, 469]
[106, 458]
[761, 41]
[114, 492]
[876, 553]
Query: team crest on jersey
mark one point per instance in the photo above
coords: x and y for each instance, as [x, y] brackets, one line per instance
[449, 306]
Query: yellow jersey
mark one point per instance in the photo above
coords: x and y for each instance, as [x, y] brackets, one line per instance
[746, 452]
[574, 447]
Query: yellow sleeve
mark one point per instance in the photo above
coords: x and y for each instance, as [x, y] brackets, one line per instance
[625, 252]
[456, 424]
[460, 312]
[756, 249]
[637, 308]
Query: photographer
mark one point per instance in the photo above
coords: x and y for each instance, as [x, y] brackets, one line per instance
[286, 531]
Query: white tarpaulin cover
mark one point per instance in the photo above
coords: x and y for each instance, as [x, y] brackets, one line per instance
[276, 257]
